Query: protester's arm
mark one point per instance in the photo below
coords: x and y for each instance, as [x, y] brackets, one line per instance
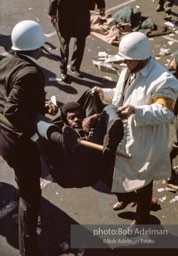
[90, 122]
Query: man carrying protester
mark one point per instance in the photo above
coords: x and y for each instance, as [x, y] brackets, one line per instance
[145, 95]
[21, 96]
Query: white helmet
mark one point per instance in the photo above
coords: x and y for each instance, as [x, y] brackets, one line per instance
[134, 46]
[27, 35]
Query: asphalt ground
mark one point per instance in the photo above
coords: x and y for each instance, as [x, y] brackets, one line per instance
[90, 205]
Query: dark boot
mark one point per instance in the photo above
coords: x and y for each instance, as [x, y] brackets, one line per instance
[70, 138]
[173, 179]
[160, 8]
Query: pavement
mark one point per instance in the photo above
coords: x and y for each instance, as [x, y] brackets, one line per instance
[62, 208]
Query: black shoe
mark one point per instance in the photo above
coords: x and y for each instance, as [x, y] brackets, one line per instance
[65, 78]
[75, 72]
[70, 138]
[120, 205]
[172, 180]
[159, 8]
[168, 17]
[114, 135]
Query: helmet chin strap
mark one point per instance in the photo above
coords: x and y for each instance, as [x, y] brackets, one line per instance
[141, 64]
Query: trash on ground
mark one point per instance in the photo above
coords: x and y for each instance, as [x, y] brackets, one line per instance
[160, 189]
[173, 200]
[106, 67]
[164, 51]
[172, 187]
[52, 79]
[162, 199]
[169, 24]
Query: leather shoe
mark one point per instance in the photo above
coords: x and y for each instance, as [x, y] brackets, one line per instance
[70, 138]
[75, 72]
[65, 78]
[159, 8]
[168, 17]
[120, 205]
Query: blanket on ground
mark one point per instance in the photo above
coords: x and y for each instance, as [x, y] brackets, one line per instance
[111, 28]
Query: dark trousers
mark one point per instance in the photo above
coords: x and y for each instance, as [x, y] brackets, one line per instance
[143, 198]
[91, 103]
[23, 156]
[77, 55]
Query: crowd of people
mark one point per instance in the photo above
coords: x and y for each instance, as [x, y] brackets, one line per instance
[126, 123]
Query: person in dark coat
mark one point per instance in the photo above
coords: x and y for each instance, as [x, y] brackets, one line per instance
[73, 18]
[21, 96]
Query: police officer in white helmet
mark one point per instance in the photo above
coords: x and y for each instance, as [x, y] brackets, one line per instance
[21, 96]
[145, 95]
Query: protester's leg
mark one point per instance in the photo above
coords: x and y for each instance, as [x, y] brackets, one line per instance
[109, 129]
[81, 168]
[44, 127]
[78, 52]
[67, 138]
[58, 122]
[144, 196]
[115, 129]
[91, 103]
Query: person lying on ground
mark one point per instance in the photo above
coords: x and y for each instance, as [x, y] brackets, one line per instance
[73, 164]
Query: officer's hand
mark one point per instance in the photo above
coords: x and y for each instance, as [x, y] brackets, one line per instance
[51, 108]
[53, 19]
[98, 90]
[90, 122]
[126, 111]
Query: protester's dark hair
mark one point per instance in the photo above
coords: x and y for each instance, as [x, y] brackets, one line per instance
[70, 107]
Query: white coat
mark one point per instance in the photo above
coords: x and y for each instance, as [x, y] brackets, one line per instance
[147, 131]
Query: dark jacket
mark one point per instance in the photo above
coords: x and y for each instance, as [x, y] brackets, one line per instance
[98, 3]
[74, 15]
[21, 94]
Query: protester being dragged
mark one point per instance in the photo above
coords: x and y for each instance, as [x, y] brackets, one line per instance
[75, 164]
